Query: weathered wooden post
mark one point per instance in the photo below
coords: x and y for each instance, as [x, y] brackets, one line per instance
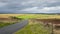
[52, 29]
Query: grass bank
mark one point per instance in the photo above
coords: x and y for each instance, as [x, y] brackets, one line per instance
[33, 29]
[5, 24]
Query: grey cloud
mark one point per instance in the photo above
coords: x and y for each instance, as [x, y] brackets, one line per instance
[53, 4]
[14, 6]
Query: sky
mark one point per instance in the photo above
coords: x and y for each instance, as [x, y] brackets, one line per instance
[29, 6]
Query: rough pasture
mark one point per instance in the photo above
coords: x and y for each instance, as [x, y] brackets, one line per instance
[7, 20]
[56, 24]
[54, 21]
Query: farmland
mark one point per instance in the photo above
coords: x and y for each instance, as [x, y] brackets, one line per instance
[36, 28]
[32, 27]
[5, 20]
[39, 16]
[27, 16]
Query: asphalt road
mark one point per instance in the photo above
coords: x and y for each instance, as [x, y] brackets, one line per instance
[13, 28]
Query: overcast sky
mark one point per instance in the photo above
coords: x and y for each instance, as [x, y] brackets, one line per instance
[29, 6]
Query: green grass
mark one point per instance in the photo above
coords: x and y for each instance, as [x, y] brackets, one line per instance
[36, 28]
[5, 24]
[33, 29]
[41, 16]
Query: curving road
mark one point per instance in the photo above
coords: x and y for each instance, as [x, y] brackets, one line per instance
[13, 28]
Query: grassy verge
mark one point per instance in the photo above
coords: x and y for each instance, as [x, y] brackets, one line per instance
[33, 29]
[5, 24]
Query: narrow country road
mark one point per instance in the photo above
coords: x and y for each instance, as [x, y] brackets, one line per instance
[13, 28]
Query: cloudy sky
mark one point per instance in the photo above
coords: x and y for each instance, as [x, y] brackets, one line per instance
[29, 6]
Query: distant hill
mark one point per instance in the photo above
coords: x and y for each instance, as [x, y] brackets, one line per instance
[31, 13]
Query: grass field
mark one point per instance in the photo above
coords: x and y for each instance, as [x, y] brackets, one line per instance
[5, 24]
[40, 16]
[5, 20]
[33, 28]
[36, 28]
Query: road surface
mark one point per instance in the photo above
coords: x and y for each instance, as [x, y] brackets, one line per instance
[13, 28]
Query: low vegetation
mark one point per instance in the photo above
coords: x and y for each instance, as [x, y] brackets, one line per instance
[34, 28]
[5, 21]
[5, 24]
[39, 16]
[27, 16]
